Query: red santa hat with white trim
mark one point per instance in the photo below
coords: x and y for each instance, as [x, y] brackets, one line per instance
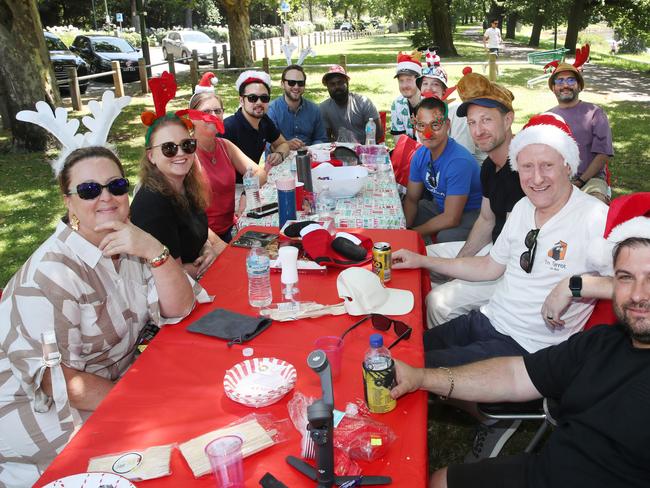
[550, 129]
[628, 216]
[253, 76]
[207, 84]
[409, 64]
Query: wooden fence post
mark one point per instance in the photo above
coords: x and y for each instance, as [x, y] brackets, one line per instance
[171, 63]
[492, 67]
[75, 93]
[194, 72]
[272, 41]
[266, 49]
[254, 50]
[224, 52]
[215, 57]
[265, 64]
[195, 57]
[343, 61]
[144, 83]
[117, 79]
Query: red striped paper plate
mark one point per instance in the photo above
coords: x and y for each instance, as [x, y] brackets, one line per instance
[259, 382]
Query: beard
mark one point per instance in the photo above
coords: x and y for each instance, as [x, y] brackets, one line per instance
[340, 96]
[637, 328]
[567, 96]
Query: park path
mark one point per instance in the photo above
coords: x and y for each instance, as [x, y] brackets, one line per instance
[613, 83]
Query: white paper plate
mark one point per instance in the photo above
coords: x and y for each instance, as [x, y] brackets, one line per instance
[259, 382]
[91, 480]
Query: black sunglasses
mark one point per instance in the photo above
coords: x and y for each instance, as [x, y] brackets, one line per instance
[528, 257]
[295, 82]
[91, 189]
[254, 98]
[213, 111]
[383, 323]
[170, 149]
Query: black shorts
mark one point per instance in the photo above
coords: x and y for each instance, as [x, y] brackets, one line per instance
[498, 472]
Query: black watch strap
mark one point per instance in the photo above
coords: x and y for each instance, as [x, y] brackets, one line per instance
[575, 285]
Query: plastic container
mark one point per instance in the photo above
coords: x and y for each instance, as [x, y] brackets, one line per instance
[288, 256]
[371, 132]
[332, 346]
[252, 188]
[378, 376]
[286, 199]
[258, 268]
[303, 167]
[226, 461]
[326, 207]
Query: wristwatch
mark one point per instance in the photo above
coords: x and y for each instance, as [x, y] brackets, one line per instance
[160, 259]
[575, 285]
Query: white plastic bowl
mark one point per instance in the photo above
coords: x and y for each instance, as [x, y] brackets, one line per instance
[343, 181]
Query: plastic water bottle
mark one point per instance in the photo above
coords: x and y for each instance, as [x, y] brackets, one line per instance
[252, 189]
[371, 132]
[325, 207]
[378, 376]
[383, 169]
[258, 267]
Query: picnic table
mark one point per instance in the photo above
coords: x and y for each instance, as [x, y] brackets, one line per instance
[174, 391]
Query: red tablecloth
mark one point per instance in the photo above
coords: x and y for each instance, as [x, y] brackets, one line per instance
[174, 391]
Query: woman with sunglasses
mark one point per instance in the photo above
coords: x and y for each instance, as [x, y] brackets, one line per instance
[221, 161]
[172, 196]
[70, 318]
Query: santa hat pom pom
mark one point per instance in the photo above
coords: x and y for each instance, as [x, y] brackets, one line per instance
[599, 255]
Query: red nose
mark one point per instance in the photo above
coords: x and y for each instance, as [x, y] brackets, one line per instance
[427, 133]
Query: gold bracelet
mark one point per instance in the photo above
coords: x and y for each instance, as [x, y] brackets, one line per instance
[450, 375]
[160, 259]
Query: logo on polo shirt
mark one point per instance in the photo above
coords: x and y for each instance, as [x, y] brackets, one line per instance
[558, 251]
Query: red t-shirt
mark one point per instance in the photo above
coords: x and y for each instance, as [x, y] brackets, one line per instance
[220, 174]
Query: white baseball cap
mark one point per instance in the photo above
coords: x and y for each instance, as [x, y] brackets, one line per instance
[364, 293]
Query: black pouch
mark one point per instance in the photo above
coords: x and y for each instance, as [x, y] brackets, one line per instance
[234, 327]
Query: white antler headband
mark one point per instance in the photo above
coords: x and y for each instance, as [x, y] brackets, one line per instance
[56, 122]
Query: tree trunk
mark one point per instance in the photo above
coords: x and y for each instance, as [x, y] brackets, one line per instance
[511, 25]
[537, 27]
[441, 28]
[135, 18]
[310, 9]
[239, 32]
[188, 17]
[577, 14]
[25, 70]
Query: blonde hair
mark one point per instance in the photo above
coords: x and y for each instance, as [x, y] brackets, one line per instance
[198, 98]
[196, 189]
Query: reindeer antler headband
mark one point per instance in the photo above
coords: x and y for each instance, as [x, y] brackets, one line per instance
[65, 131]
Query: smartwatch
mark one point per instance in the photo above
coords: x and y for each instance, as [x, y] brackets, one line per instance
[575, 285]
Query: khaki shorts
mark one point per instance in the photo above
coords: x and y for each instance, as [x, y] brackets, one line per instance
[597, 185]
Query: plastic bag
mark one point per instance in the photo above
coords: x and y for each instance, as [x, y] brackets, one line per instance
[361, 437]
[297, 407]
[136, 465]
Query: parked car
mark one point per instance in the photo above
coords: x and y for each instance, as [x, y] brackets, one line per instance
[62, 59]
[99, 51]
[182, 43]
[346, 26]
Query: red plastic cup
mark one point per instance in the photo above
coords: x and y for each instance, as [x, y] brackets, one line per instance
[300, 194]
[332, 346]
[225, 455]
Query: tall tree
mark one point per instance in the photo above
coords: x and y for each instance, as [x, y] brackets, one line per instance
[440, 27]
[26, 73]
[239, 31]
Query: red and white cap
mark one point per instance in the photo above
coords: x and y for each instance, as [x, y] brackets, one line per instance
[253, 76]
[409, 63]
[628, 216]
[335, 69]
[550, 129]
[207, 84]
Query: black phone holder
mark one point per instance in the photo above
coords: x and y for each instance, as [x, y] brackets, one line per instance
[320, 415]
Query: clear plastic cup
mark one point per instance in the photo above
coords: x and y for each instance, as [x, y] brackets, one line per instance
[332, 346]
[225, 455]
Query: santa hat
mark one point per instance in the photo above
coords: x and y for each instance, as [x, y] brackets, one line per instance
[253, 76]
[208, 81]
[341, 251]
[409, 64]
[628, 216]
[550, 129]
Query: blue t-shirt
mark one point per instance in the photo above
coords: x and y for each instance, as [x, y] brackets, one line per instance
[455, 172]
[305, 123]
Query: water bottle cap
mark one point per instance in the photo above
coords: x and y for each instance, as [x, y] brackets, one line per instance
[302, 152]
[376, 340]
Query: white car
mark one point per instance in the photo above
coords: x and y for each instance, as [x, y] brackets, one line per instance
[182, 43]
[346, 26]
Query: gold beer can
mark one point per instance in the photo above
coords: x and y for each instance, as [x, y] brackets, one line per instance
[381, 260]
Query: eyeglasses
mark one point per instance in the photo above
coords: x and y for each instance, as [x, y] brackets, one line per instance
[435, 125]
[170, 149]
[254, 98]
[383, 323]
[213, 111]
[91, 189]
[528, 257]
[295, 82]
[565, 81]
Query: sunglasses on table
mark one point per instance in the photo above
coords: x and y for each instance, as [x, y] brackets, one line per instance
[255, 98]
[295, 82]
[91, 189]
[170, 149]
[213, 111]
[528, 257]
[383, 323]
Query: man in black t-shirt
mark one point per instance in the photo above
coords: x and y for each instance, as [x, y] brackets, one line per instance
[600, 378]
[489, 118]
